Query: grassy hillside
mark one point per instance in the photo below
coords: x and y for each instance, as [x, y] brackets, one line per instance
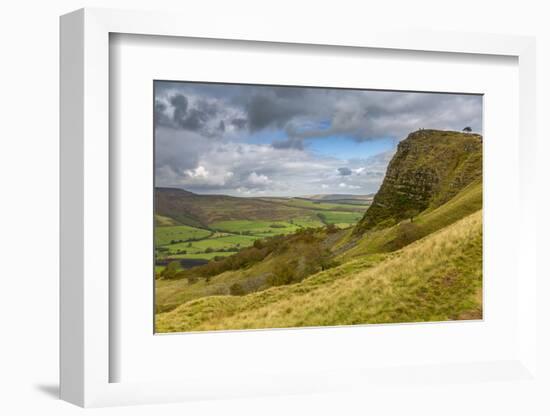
[429, 168]
[415, 255]
[469, 200]
[344, 246]
[406, 286]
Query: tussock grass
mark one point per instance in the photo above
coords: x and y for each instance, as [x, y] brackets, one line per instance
[436, 278]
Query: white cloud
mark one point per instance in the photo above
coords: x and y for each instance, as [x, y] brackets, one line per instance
[256, 179]
[213, 166]
[348, 186]
[198, 172]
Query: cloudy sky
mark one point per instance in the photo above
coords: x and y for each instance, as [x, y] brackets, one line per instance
[250, 140]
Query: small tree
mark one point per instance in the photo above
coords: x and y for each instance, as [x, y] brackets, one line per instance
[331, 228]
[467, 129]
[326, 261]
[407, 232]
[411, 213]
[170, 270]
[283, 274]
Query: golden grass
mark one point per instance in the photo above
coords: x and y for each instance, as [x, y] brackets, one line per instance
[436, 278]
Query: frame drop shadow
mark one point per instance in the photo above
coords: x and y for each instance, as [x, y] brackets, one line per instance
[51, 390]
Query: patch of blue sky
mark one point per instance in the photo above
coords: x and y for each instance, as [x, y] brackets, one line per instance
[342, 147]
[312, 125]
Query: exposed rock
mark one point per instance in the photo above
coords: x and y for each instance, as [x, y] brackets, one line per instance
[428, 169]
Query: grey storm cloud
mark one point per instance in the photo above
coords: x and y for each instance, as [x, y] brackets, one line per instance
[273, 108]
[180, 104]
[240, 139]
[362, 115]
[161, 119]
[193, 118]
[239, 123]
[344, 171]
[290, 143]
[310, 113]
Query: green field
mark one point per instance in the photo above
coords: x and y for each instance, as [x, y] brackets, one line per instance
[164, 235]
[200, 255]
[357, 206]
[176, 239]
[216, 243]
[256, 228]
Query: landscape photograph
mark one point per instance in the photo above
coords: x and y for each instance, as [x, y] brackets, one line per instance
[292, 207]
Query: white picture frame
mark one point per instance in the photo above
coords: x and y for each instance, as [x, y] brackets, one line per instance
[85, 209]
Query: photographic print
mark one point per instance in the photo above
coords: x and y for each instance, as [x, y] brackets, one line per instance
[291, 206]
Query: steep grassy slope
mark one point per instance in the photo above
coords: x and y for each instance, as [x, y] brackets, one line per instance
[429, 168]
[467, 201]
[435, 278]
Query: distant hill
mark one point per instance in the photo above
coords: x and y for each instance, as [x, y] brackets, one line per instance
[429, 168]
[201, 210]
[338, 197]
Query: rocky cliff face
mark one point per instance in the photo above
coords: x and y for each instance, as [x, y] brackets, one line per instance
[428, 169]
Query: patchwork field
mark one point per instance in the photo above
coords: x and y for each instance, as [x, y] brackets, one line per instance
[200, 239]
[265, 228]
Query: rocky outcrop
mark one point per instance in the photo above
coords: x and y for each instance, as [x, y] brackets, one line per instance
[428, 169]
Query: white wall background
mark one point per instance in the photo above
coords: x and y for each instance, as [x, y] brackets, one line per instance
[29, 56]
